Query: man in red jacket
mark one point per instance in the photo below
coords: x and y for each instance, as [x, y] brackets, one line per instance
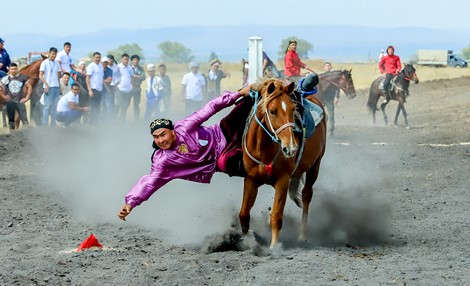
[389, 66]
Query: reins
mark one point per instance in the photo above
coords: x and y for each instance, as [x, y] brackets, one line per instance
[275, 138]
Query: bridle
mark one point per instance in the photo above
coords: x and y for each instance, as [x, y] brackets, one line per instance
[408, 76]
[273, 134]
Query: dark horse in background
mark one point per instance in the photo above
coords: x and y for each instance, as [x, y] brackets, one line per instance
[329, 86]
[399, 92]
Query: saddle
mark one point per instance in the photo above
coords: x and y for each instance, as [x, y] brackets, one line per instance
[308, 115]
[391, 86]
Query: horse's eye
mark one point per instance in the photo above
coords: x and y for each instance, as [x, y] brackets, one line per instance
[272, 112]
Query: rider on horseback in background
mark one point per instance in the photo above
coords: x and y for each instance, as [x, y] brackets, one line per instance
[389, 65]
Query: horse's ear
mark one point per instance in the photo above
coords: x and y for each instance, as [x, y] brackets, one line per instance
[290, 87]
[350, 71]
[44, 57]
[271, 88]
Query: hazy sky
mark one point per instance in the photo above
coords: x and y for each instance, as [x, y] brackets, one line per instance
[62, 18]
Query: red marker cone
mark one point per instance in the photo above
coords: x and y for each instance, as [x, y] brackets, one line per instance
[89, 242]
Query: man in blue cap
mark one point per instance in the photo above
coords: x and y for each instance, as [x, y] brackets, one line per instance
[5, 61]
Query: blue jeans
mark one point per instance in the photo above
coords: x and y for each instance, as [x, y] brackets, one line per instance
[152, 108]
[50, 106]
[67, 117]
[191, 106]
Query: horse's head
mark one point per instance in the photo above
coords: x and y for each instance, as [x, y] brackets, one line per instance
[277, 110]
[346, 84]
[410, 73]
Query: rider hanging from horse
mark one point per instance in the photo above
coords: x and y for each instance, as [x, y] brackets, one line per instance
[188, 150]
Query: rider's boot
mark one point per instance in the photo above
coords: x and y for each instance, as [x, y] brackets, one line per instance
[387, 94]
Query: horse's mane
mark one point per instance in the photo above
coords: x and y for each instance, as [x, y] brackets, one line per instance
[30, 65]
[261, 86]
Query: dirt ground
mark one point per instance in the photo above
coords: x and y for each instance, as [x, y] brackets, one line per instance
[391, 207]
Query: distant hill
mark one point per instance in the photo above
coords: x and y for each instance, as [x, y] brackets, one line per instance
[336, 43]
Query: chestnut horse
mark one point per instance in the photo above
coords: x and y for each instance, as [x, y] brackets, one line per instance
[399, 93]
[329, 86]
[271, 153]
[32, 71]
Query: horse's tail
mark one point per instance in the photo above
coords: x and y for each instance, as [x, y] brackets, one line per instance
[373, 96]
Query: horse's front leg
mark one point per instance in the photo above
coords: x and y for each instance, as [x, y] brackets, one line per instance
[401, 107]
[405, 114]
[277, 213]
[250, 191]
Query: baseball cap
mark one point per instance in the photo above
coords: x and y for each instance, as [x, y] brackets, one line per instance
[104, 59]
[150, 67]
[81, 63]
[2, 41]
[193, 65]
[215, 61]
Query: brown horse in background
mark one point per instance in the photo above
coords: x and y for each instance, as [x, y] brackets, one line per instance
[329, 86]
[32, 71]
[271, 154]
[400, 85]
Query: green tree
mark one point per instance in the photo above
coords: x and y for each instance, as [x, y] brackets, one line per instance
[213, 56]
[130, 49]
[303, 47]
[174, 52]
[466, 52]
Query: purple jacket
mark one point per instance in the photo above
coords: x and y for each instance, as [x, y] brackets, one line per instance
[194, 153]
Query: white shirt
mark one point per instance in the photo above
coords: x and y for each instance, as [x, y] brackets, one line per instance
[63, 104]
[51, 72]
[194, 84]
[126, 74]
[96, 73]
[65, 61]
[116, 75]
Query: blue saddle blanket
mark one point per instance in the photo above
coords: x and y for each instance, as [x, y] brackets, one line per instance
[313, 114]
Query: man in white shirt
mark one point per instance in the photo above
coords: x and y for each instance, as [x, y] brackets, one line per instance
[193, 88]
[68, 109]
[123, 93]
[49, 73]
[113, 86]
[65, 60]
[94, 83]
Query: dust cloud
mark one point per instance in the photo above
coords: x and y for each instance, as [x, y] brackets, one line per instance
[93, 168]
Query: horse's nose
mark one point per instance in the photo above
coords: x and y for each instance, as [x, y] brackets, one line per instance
[289, 151]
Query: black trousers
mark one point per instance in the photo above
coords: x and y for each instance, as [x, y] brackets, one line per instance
[12, 107]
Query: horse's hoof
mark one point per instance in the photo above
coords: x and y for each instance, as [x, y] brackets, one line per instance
[407, 127]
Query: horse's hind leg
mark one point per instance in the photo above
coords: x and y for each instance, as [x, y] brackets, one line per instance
[294, 193]
[307, 194]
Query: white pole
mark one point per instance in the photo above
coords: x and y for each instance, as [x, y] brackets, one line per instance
[255, 58]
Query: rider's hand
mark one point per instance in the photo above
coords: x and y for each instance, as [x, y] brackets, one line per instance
[246, 90]
[124, 211]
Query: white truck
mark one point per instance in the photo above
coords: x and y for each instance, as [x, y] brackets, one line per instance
[440, 58]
